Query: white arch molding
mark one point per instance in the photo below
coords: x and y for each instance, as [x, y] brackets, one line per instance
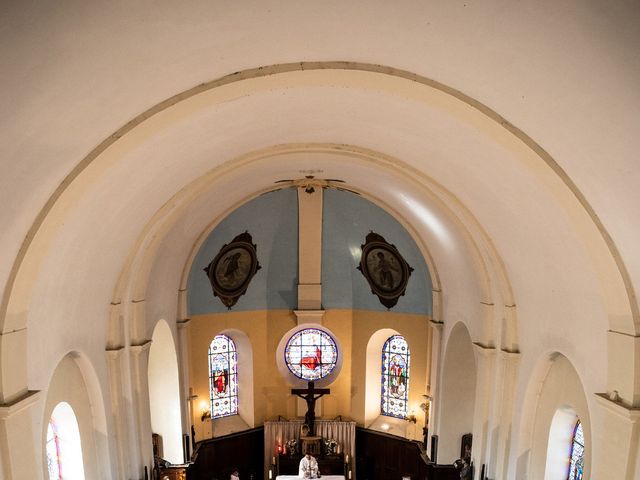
[17, 290]
[15, 286]
[130, 329]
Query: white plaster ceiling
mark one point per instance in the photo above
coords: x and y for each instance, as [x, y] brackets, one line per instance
[564, 74]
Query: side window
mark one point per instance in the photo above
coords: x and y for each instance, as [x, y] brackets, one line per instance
[576, 463]
[63, 447]
[395, 377]
[223, 377]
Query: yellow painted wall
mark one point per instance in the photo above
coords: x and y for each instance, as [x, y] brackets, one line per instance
[416, 331]
[271, 393]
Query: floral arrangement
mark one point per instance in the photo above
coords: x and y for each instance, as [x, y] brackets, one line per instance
[330, 446]
[292, 446]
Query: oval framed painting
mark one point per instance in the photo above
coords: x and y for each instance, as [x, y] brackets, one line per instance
[232, 269]
[386, 271]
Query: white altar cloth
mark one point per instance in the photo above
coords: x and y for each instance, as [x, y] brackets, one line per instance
[324, 477]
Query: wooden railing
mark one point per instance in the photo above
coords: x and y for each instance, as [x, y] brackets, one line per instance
[217, 457]
[380, 456]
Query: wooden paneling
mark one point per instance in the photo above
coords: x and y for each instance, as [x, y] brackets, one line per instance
[381, 456]
[217, 457]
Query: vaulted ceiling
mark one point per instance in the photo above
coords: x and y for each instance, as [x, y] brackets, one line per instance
[505, 136]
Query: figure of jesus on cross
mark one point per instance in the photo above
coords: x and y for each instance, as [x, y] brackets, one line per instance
[310, 394]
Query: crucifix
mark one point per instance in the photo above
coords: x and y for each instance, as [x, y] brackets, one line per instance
[310, 394]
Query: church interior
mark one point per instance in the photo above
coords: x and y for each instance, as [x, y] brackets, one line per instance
[397, 235]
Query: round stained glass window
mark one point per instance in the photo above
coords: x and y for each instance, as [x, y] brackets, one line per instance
[311, 354]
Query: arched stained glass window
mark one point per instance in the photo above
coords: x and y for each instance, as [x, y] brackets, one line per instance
[63, 447]
[53, 452]
[395, 377]
[223, 377]
[311, 354]
[576, 463]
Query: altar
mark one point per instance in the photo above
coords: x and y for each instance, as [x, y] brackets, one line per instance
[324, 477]
[284, 463]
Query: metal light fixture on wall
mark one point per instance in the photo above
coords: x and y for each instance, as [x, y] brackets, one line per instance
[206, 412]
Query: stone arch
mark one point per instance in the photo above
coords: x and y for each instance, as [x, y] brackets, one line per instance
[554, 396]
[484, 112]
[16, 292]
[456, 402]
[164, 392]
[74, 382]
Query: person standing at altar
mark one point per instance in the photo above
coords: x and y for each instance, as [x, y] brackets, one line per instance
[308, 467]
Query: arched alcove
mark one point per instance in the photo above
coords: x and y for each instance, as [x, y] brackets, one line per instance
[245, 418]
[546, 441]
[373, 417]
[457, 398]
[74, 406]
[164, 392]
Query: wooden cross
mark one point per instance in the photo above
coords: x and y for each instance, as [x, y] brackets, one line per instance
[310, 394]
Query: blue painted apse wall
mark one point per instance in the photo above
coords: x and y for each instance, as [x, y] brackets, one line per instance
[347, 219]
[272, 221]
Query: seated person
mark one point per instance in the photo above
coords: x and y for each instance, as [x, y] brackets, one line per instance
[308, 467]
[235, 475]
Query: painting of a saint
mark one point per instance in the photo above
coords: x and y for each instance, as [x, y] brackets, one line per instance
[385, 269]
[232, 269]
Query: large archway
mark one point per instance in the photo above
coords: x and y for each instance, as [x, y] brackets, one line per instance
[164, 393]
[457, 398]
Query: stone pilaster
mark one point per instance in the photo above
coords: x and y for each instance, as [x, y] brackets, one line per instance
[184, 377]
[435, 380]
[485, 361]
[120, 413]
[139, 360]
[309, 316]
[310, 247]
[17, 449]
[503, 418]
[616, 450]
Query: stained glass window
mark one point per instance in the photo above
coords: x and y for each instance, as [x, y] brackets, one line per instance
[576, 464]
[311, 354]
[395, 377]
[223, 377]
[53, 452]
[63, 447]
